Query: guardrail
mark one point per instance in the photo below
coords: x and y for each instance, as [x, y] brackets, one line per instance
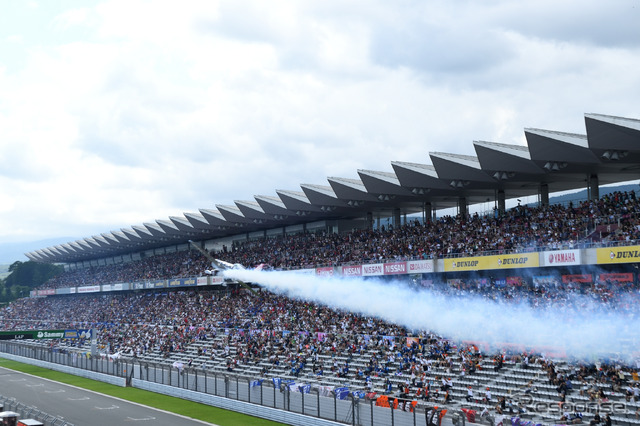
[26, 411]
[276, 400]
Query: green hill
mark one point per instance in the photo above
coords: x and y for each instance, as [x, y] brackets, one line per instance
[4, 271]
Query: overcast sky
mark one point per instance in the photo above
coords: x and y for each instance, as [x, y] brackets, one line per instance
[114, 113]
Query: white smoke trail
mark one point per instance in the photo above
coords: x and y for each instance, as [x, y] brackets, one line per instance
[583, 334]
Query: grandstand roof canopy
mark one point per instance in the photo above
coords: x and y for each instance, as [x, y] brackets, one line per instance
[609, 152]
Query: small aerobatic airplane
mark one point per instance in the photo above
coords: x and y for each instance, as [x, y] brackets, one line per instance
[220, 265]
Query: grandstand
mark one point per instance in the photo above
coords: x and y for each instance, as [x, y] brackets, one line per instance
[145, 290]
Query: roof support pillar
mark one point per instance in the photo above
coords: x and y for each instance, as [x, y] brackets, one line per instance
[544, 194]
[502, 202]
[396, 217]
[593, 188]
[369, 220]
[427, 212]
[462, 207]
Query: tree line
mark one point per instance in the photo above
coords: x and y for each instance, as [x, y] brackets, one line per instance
[24, 277]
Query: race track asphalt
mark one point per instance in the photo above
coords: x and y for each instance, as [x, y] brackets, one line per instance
[83, 407]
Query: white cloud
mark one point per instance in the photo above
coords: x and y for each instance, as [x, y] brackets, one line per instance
[72, 18]
[124, 112]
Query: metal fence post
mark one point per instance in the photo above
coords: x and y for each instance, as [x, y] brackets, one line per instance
[288, 395]
[353, 410]
[392, 416]
[371, 401]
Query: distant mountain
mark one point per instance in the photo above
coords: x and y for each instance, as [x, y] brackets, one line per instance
[4, 271]
[11, 252]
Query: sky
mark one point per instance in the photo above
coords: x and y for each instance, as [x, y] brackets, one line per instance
[115, 113]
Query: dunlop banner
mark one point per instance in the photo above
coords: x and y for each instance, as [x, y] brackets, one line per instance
[628, 254]
[505, 261]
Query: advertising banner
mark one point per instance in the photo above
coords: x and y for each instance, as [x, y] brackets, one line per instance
[420, 266]
[31, 334]
[504, 261]
[620, 277]
[77, 334]
[16, 335]
[326, 271]
[352, 271]
[189, 282]
[395, 268]
[372, 270]
[628, 254]
[175, 283]
[206, 280]
[561, 258]
[89, 289]
[49, 334]
[515, 281]
[577, 278]
[47, 292]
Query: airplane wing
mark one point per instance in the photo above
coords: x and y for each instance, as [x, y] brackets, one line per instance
[221, 265]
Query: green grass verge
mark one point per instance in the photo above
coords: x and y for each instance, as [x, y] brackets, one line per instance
[167, 403]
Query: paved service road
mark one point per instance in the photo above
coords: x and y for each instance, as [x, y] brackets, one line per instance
[80, 406]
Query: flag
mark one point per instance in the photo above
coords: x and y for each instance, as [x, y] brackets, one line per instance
[276, 382]
[341, 393]
[255, 383]
[471, 414]
[305, 388]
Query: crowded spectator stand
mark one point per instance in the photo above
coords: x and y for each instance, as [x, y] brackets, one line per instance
[271, 337]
